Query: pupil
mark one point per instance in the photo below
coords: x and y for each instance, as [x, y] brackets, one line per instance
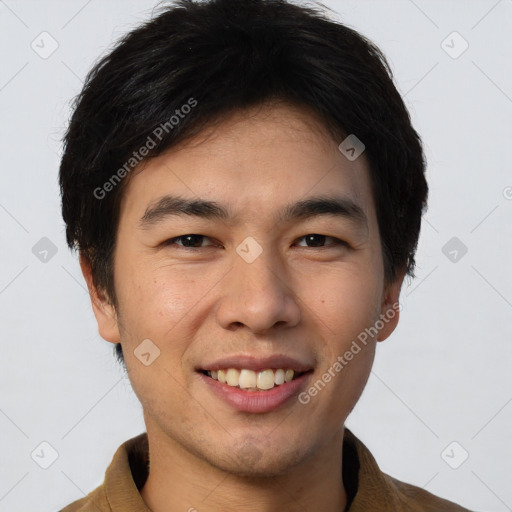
[195, 238]
[310, 238]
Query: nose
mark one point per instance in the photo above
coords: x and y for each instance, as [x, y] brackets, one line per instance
[257, 295]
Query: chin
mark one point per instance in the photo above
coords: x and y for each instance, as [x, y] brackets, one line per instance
[250, 461]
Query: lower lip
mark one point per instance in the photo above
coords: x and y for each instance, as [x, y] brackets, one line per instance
[256, 401]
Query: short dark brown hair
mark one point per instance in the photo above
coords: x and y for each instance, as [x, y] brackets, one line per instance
[197, 62]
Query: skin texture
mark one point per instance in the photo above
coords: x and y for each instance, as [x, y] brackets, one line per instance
[307, 302]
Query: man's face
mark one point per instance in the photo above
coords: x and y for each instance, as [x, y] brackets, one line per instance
[206, 298]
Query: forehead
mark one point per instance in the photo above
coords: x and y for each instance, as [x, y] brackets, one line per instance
[257, 161]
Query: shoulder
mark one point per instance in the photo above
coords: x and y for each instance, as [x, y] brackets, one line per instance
[95, 501]
[415, 499]
[376, 490]
[124, 476]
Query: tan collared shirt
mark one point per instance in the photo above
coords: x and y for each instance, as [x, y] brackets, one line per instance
[368, 489]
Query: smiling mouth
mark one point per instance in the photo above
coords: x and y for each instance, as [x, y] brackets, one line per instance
[249, 380]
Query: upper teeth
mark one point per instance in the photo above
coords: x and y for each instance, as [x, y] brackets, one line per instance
[250, 380]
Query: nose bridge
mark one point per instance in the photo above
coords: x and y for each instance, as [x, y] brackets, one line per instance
[257, 295]
[258, 270]
[257, 273]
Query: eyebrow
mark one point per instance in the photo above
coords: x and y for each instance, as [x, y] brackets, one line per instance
[169, 206]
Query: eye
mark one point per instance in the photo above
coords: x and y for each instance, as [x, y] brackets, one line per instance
[318, 241]
[195, 241]
[190, 241]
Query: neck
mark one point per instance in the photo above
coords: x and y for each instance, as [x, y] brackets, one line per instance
[181, 481]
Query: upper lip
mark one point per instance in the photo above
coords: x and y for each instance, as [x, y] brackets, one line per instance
[258, 363]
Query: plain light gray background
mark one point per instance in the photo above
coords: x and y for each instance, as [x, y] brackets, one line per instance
[444, 375]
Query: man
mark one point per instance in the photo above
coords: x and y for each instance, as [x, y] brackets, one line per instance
[245, 189]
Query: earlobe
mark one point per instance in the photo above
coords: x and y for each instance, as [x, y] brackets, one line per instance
[390, 308]
[104, 311]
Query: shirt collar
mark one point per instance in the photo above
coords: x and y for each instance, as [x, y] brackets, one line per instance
[362, 477]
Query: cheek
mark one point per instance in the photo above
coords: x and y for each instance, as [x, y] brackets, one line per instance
[344, 314]
[161, 302]
[344, 303]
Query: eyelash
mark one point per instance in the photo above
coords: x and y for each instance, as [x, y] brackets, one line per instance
[172, 241]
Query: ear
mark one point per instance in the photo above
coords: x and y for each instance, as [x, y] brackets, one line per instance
[104, 311]
[389, 311]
